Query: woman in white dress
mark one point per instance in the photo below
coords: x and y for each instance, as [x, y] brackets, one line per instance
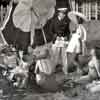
[73, 51]
[76, 44]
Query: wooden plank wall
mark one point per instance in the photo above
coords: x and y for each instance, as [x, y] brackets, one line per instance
[89, 8]
[3, 11]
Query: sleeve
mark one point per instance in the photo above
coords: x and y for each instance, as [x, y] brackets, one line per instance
[52, 30]
[78, 30]
[84, 33]
[51, 27]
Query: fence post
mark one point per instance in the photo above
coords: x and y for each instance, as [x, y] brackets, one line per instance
[1, 14]
[73, 4]
[96, 10]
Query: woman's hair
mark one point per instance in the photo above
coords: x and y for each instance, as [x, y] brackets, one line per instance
[80, 20]
[90, 45]
[97, 51]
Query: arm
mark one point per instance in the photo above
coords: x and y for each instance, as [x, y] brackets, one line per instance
[97, 65]
[51, 29]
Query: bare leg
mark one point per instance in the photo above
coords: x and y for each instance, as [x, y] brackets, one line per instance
[11, 76]
[64, 61]
[72, 61]
[17, 82]
[95, 88]
[24, 81]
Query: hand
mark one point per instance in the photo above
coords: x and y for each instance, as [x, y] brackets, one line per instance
[65, 38]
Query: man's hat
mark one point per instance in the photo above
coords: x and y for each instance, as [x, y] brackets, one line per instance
[62, 10]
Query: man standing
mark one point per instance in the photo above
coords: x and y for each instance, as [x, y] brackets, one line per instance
[60, 28]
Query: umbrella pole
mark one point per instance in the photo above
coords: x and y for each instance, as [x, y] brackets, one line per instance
[32, 28]
[45, 40]
[70, 2]
[4, 41]
[32, 35]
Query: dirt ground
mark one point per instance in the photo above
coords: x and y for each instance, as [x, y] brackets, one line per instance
[33, 92]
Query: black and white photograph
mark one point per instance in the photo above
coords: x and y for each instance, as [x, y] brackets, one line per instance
[49, 49]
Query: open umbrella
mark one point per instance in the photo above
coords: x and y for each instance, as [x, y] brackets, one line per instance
[73, 17]
[30, 14]
[74, 14]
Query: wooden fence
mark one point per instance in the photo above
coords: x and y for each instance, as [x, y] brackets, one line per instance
[90, 8]
[3, 11]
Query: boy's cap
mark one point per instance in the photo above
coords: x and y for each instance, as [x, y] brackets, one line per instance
[62, 10]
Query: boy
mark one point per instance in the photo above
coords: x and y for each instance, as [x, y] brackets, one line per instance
[60, 28]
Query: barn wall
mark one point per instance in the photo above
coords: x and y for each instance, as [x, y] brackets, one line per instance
[90, 8]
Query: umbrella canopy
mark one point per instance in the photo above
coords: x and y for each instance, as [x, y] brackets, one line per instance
[30, 14]
[74, 14]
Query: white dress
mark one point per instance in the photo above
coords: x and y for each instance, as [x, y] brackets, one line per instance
[82, 32]
[74, 44]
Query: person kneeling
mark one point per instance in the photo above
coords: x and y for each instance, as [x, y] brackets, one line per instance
[94, 68]
[20, 73]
